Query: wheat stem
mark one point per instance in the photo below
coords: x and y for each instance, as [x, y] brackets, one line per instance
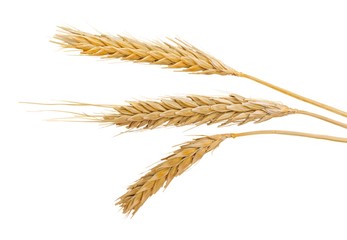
[320, 117]
[295, 95]
[290, 133]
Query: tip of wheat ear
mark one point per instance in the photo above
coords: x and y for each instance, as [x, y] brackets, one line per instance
[174, 54]
[162, 174]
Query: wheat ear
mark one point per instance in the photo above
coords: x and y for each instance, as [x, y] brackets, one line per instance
[191, 110]
[182, 111]
[184, 157]
[170, 167]
[178, 54]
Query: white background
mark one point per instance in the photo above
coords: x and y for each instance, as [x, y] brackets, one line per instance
[60, 180]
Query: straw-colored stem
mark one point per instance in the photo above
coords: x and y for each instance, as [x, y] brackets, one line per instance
[326, 119]
[295, 95]
[290, 133]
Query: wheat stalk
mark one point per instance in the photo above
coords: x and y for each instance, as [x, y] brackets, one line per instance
[183, 158]
[178, 55]
[190, 110]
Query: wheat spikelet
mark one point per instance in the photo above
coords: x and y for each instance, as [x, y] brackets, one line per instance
[181, 111]
[170, 167]
[179, 54]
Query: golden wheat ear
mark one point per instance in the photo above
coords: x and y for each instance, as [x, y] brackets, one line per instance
[183, 158]
[162, 174]
[175, 54]
[190, 110]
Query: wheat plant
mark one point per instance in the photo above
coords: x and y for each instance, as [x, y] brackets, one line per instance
[183, 158]
[191, 110]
